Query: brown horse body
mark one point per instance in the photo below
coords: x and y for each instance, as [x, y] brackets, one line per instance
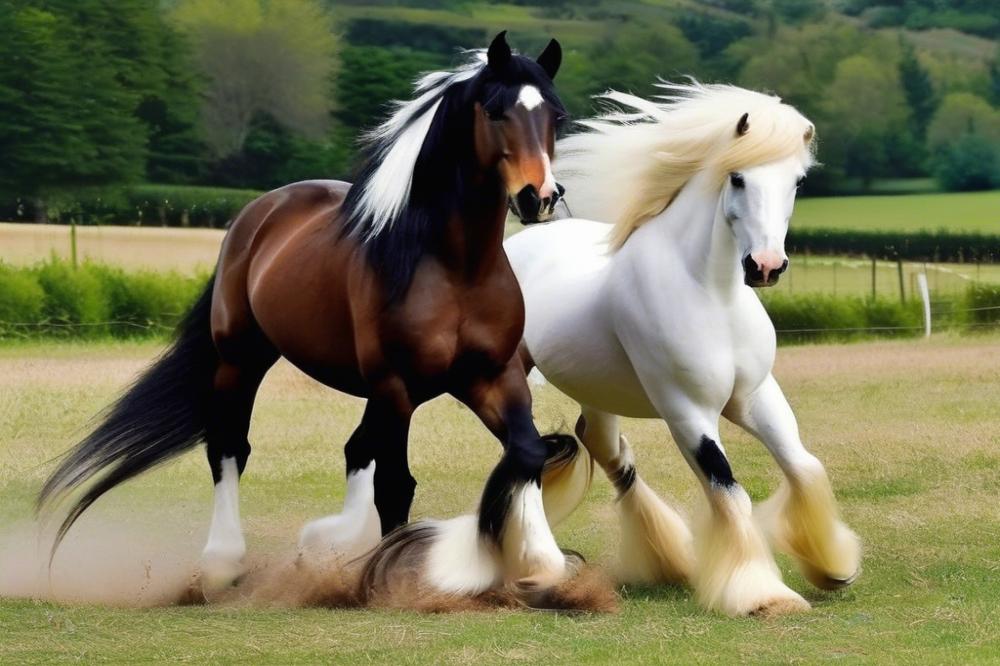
[396, 290]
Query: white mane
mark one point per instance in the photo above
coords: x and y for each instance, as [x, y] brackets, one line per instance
[638, 156]
[396, 144]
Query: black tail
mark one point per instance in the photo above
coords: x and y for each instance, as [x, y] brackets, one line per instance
[162, 415]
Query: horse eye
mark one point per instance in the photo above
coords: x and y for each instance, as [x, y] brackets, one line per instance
[736, 180]
[799, 181]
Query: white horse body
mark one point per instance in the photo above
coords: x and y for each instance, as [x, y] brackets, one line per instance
[653, 317]
[641, 307]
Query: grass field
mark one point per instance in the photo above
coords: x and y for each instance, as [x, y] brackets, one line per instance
[966, 211]
[909, 432]
[132, 247]
[197, 249]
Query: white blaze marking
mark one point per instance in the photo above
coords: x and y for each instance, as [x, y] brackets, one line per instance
[529, 97]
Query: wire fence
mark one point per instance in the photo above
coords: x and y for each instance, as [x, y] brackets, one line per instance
[30, 330]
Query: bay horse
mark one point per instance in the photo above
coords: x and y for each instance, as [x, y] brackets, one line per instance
[692, 195]
[395, 289]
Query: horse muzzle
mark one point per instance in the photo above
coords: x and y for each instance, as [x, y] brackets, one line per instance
[763, 269]
[530, 208]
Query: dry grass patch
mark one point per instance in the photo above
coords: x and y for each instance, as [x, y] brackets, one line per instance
[910, 433]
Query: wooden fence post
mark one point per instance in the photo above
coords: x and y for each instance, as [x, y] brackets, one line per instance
[899, 270]
[72, 242]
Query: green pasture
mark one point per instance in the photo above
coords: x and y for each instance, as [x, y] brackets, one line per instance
[965, 211]
[908, 430]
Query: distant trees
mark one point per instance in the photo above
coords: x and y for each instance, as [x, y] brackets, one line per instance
[89, 89]
[964, 142]
[864, 106]
[272, 58]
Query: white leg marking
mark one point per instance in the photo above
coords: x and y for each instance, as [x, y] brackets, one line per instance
[461, 561]
[351, 533]
[736, 573]
[530, 553]
[222, 558]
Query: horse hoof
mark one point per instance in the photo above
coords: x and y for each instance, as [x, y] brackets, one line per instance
[831, 583]
[786, 605]
[218, 574]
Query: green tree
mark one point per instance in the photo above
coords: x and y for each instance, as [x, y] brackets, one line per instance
[964, 142]
[65, 119]
[864, 109]
[918, 89]
[257, 57]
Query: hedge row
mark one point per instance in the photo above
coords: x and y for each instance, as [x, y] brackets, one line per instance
[938, 246]
[148, 205]
[53, 299]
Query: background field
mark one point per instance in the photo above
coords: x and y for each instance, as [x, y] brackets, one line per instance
[909, 432]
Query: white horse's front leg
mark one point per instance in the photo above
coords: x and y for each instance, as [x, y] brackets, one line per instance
[735, 572]
[801, 518]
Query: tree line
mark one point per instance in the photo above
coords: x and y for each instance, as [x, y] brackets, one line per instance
[255, 93]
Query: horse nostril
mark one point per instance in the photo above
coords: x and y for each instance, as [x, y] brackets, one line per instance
[784, 265]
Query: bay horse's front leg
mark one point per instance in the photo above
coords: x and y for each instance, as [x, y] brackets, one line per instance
[511, 513]
[801, 518]
[379, 486]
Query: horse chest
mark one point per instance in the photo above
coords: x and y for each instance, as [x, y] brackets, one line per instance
[444, 333]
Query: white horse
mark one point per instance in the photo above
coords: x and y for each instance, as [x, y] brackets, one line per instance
[654, 316]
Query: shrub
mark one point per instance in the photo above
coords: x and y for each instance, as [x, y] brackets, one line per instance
[21, 299]
[146, 302]
[982, 304]
[969, 163]
[148, 205]
[73, 297]
[803, 317]
[944, 246]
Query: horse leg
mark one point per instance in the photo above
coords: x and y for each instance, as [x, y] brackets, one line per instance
[379, 487]
[510, 539]
[735, 572]
[511, 512]
[655, 545]
[801, 518]
[568, 469]
[228, 449]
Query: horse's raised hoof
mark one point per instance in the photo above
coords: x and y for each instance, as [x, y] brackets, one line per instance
[831, 583]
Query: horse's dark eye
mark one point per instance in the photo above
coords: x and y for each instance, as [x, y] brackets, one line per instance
[736, 180]
[799, 181]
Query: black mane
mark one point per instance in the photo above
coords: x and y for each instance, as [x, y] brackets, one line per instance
[438, 185]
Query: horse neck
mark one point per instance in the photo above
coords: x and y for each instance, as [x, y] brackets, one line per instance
[473, 236]
[694, 223]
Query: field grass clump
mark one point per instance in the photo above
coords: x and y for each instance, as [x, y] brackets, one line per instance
[144, 301]
[73, 297]
[21, 297]
[982, 303]
[806, 317]
[54, 299]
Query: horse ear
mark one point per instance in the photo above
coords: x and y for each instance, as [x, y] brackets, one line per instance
[743, 126]
[498, 55]
[551, 58]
